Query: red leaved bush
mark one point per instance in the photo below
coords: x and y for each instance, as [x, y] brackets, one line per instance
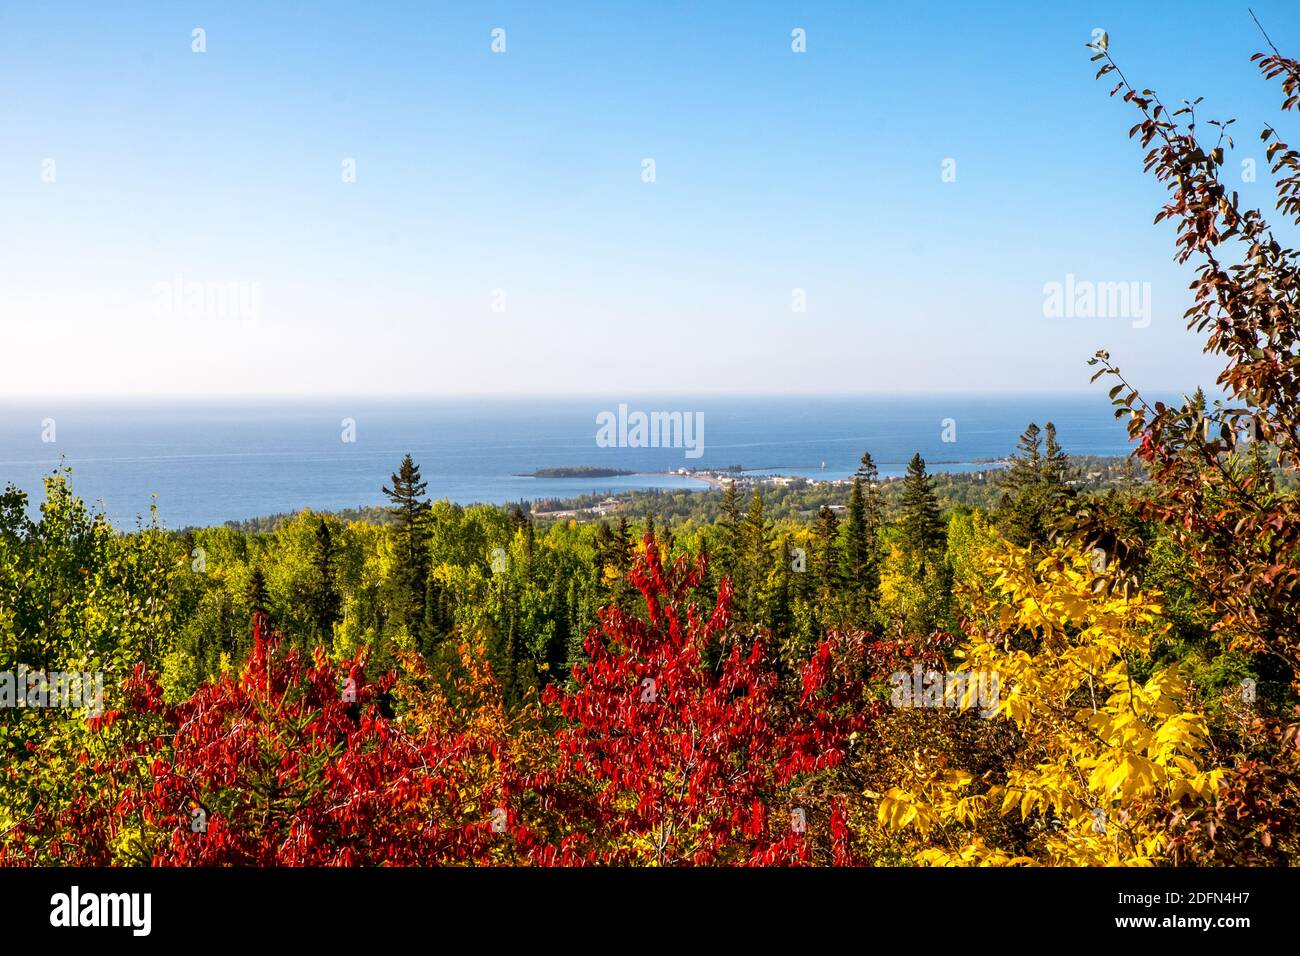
[687, 749]
[290, 763]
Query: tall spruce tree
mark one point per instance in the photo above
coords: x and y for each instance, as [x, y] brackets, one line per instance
[257, 593]
[408, 508]
[920, 526]
[855, 536]
[826, 564]
[604, 545]
[863, 523]
[873, 498]
[1026, 462]
[324, 603]
[1057, 472]
[1034, 487]
[731, 545]
[780, 615]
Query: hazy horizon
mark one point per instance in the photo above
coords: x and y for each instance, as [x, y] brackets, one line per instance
[217, 460]
[135, 398]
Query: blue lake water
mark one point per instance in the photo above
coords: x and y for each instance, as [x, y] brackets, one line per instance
[209, 462]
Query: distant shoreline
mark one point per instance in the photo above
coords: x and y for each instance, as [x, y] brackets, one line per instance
[580, 471]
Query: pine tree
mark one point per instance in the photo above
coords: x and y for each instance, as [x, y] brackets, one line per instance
[439, 614]
[517, 514]
[779, 613]
[1025, 469]
[408, 509]
[862, 557]
[729, 521]
[873, 498]
[1034, 487]
[826, 563]
[324, 604]
[607, 549]
[1056, 463]
[855, 535]
[257, 596]
[921, 526]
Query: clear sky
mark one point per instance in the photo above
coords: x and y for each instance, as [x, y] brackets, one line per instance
[499, 236]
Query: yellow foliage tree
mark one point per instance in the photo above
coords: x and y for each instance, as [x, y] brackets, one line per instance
[1104, 757]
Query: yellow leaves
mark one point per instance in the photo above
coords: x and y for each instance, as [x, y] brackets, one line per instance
[1120, 729]
[970, 809]
[1052, 597]
[1028, 801]
[1182, 734]
[974, 853]
[1101, 755]
[1197, 786]
[1124, 775]
[899, 809]
[1009, 801]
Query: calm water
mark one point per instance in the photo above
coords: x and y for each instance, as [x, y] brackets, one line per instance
[209, 463]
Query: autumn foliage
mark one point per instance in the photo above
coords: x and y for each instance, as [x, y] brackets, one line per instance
[683, 745]
[290, 762]
[675, 745]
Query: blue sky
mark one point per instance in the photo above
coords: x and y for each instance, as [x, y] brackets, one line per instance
[499, 236]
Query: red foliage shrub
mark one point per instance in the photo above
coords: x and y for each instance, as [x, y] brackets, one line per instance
[684, 743]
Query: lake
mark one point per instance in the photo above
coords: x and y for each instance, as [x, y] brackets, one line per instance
[210, 462]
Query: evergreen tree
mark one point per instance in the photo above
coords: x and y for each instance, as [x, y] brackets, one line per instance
[921, 528]
[855, 536]
[604, 544]
[324, 603]
[862, 557]
[519, 516]
[730, 546]
[257, 596]
[826, 564]
[779, 613]
[1026, 467]
[1057, 472]
[409, 507]
[1034, 487]
[613, 559]
[439, 614]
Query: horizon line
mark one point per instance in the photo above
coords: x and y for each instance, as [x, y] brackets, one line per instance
[498, 396]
